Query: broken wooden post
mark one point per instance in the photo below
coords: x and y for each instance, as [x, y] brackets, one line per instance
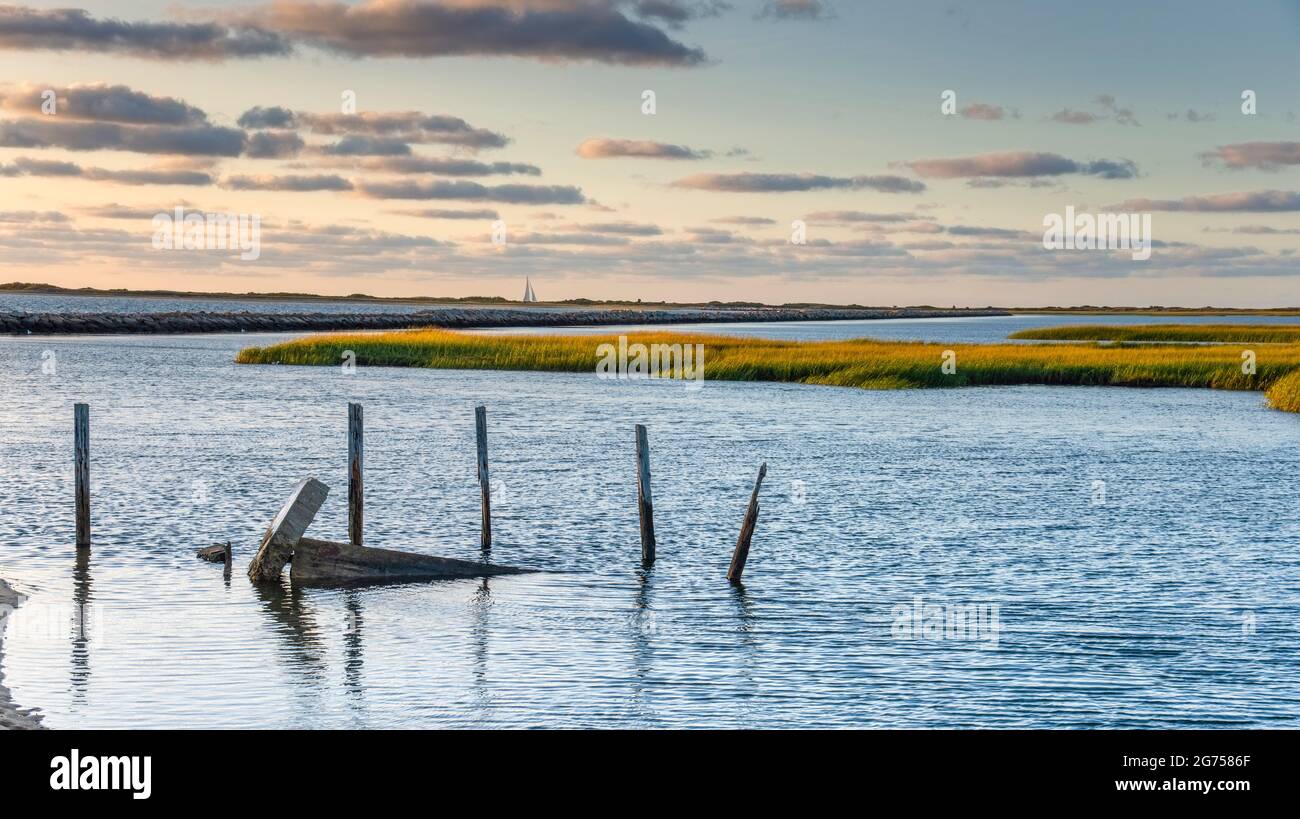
[286, 530]
[643, 503]
[484, 484]
[355, 494]
[741, 554]
[230, 560]
[81, 460]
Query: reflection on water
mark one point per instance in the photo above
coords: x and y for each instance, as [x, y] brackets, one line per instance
[81, 600]
[1174, 602]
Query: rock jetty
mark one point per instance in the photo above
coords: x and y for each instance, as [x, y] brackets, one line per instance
[146, 323]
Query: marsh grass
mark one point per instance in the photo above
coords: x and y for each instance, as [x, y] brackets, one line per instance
[863, 363]
[1202, 333]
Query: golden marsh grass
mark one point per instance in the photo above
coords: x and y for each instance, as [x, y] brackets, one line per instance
[1205, 333]
[863, 363]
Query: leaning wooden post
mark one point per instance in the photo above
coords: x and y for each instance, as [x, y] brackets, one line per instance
[356, 495]
[81, 459]
[484, 484]
[644, 505]
[741, 554]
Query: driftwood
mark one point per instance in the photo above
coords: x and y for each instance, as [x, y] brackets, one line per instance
[284, 532]
[216, 553]
[321, 562]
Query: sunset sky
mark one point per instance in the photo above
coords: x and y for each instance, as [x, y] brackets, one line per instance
[530, 112]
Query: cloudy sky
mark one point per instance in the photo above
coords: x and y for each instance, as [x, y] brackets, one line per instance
[532, 113]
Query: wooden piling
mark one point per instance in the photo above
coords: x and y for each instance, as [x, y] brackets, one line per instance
[741, 554]
[484, 483]
[81, 460]
[645, 507]
[230, 559]
[356, 494]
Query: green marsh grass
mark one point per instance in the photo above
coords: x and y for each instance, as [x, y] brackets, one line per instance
[863, 363]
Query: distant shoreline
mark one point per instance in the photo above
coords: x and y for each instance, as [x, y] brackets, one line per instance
[38, 288]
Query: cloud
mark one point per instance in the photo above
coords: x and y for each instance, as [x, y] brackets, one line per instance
[743, 221]
[406, 126]
[473, 191]
[607, 148]
[100, 102]
[789, 182]
[848, 216]
[1020, 164]
[1122, 116]
[990, 232]
[269, 182]
[1109, 110]
[795, 10]
[28, 29]
[1192, 115]
[620, 228]
[1255, 230]
[363, 145]
[676, 12]
[31, 216]
[437, 213]
[1266, 156]
[1244, 202]
[50, 132]
[980, 110]
[1071, 117]
[553, 31]
[584, 239]
[23, 166]
[274, 145]
[448, 166]
[272, 117]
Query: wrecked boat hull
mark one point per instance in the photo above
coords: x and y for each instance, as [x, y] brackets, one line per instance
[324, 563]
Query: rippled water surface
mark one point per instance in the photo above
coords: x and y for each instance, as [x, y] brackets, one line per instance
[1167, 596]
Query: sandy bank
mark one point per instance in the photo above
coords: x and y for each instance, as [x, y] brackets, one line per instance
[11, 717]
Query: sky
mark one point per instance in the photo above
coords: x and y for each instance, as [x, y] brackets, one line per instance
[877, 153]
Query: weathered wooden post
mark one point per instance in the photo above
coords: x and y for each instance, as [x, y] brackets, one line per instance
[484, 484]
[741, 554]
[644, 504]
[356, 495]
[230, 559]
[81, 460]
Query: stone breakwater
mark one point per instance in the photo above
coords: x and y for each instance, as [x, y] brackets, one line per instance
[12, 323]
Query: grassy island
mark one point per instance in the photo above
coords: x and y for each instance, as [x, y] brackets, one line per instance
[862, 363]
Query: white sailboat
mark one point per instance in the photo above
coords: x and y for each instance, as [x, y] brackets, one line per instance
[529, 295]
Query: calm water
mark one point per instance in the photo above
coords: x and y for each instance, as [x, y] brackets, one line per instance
[1169, 596]
[974, 330]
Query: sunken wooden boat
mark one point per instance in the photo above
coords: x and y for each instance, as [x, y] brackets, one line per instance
[321, 562]
[325, 563]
